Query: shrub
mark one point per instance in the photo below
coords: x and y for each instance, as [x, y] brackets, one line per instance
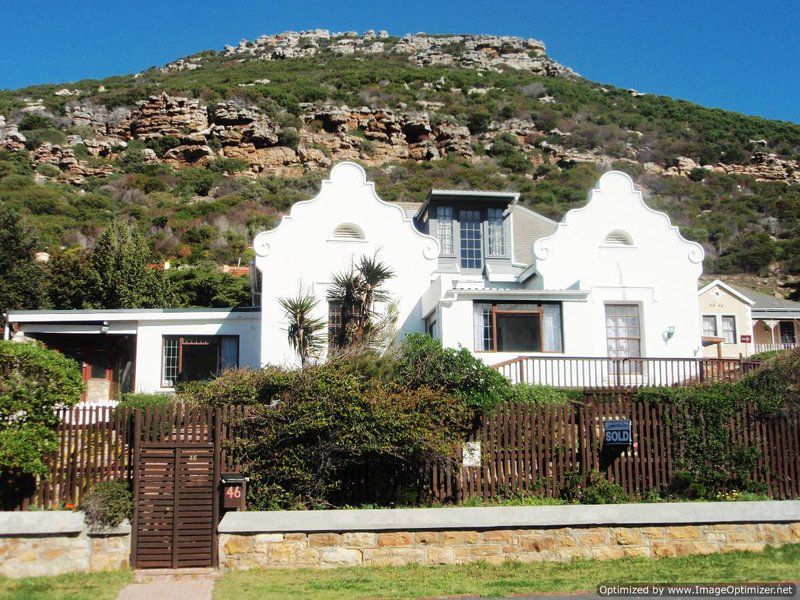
[421, 361]
[526, 393]
[777, 383]
[107, 504]
[289, 136]
[710, 462]
[134, 401]
[332, 420]
[34, 381]
[593, 489]
[48, 170]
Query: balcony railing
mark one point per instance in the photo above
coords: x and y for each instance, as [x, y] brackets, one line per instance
[774, 347]
[599, 372]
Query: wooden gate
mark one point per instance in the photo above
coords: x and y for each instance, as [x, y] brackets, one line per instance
[176, 499]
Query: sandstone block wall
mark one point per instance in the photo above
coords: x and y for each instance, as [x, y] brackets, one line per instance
[281, 550]
[55, 552]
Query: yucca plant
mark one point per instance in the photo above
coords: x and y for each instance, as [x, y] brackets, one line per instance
[303, 329]
[357, 291]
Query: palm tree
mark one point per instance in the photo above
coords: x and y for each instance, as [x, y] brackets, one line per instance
[357, 291]
[303, 330]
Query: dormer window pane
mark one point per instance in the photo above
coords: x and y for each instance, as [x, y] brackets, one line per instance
[496, 237]
[444, 220]
[470, 239]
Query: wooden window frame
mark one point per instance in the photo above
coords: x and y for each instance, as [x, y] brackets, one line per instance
[536, 309]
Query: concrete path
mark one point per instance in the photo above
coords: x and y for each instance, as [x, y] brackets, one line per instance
[178, 589]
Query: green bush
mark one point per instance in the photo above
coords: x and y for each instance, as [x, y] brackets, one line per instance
[133, 401]
[107, 504]
[34, 381]
[592, 489]
[331, 419]
[421, 361]
[709, 461]
[526, 393]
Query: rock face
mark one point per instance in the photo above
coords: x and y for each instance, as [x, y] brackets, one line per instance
[320, 134]
[163, 115]
[483, 52]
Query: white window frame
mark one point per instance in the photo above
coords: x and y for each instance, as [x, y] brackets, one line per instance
[722, 319]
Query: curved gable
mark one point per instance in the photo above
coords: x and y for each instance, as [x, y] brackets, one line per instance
[587, 244]
[325, 235]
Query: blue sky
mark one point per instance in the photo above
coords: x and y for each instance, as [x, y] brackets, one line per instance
[743, 56]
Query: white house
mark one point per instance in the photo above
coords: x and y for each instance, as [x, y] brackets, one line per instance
[472, 268]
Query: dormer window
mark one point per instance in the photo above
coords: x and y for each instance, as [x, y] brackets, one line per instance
[348, 231]
[444, 226]
[618, 237]
[497, 243]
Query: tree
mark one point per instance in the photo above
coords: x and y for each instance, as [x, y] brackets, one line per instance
[21, 276]
[357, 291]
[67, 275]
[119, 275]
[207, 285]
[303, 329]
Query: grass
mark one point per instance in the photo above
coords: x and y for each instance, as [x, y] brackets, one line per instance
[72, 586]
[774, 564]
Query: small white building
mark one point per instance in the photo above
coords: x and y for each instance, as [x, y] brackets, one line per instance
[614, 279]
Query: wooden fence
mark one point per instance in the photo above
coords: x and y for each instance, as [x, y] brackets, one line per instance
[616, 373]
[536, 449]
[524, 449]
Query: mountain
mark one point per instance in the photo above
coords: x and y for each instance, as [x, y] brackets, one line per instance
[207, 150]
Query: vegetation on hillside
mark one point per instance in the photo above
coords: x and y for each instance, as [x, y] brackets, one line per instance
[211, 213]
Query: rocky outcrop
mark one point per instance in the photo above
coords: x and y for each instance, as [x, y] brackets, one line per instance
[482, 52]
[164, 115]
[75, 171]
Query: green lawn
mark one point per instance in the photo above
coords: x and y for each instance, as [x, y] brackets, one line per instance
[774, 564]
[73, 586]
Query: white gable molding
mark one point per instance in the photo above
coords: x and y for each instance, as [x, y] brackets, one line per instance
[303, 253]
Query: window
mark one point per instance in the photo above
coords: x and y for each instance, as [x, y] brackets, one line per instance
[496, 233]
[709, 326]
[430, 324]
[470, 239]
[348, 231]
[729, 329]
[194, 358]
[623, 336]
[521, 327]
[444, 226]
[618, 238]
[334, 324]
[787, 332]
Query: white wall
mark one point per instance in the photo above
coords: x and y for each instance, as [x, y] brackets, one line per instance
[301, 252]
[658, 272]
[149, 340]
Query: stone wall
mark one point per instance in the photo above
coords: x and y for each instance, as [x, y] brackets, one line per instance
[497, 545]
[33, 544]
[592, 532]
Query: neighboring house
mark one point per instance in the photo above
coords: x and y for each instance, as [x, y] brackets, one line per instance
[144, 350]
[473, 268]
[738, 321]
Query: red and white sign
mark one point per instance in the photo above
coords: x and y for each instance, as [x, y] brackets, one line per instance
[745, 339]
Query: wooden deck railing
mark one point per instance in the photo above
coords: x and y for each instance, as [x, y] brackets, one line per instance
[600, 372]
[774, 347]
